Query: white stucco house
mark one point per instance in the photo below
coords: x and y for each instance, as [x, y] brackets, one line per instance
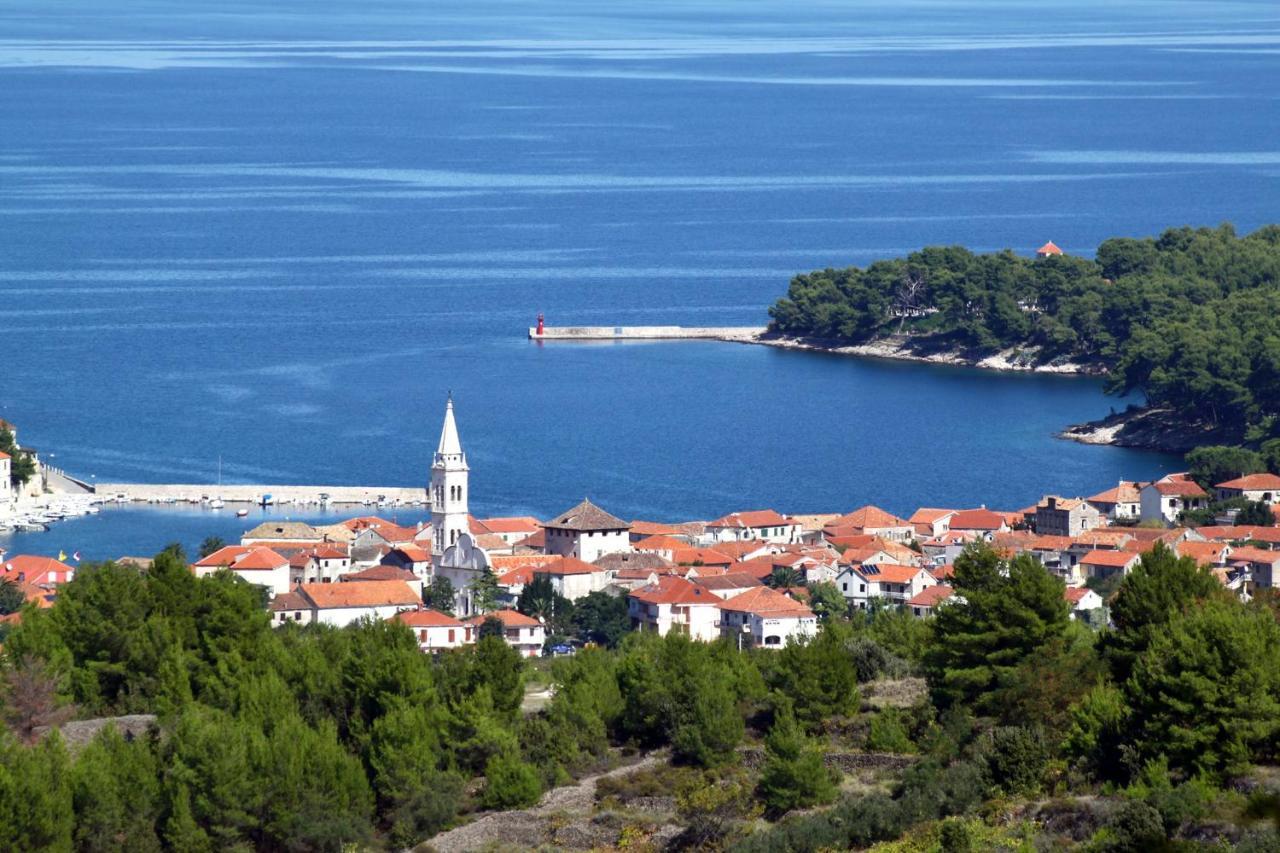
[588, 533]
[895, 583]
[253, 563]
[675, 604]
[341, 604]
[523, 633]
[1165, 499]
[765, 618]
[572, 578]
[435, 630]
[1254, 487]
[765, 525]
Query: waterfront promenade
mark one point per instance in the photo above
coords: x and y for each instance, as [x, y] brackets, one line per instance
[253, 494]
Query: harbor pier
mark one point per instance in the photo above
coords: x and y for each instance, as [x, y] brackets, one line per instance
[254, 494]
[736, 334]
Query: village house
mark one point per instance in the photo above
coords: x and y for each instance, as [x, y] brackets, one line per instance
[321, 564]
[523, 633]
[1057, 516]
[980, 523]
[1103, 564]
[252, 563]
[765, 618]
[1253, 487]
[1123, 503]
[1081, 599]
[37, 577]
[762, 524]
[1262, 564]
[573, 579]
[510, 529]
[588, 533]
[341, 604]
[435, 631]
[871, 521]
[924, 602]
[675, 604]
[411, 558]
[1166, 498]
[930, 522]
[1210, 554]
[894, 583]
[386, 573]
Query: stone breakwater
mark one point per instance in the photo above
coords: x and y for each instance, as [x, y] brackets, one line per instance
[253, 494]
[896, 348]
[743, 334]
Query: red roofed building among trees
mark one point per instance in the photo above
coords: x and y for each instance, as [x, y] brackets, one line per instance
[1048, 250]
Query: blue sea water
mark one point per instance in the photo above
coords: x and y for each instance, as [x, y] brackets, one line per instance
[280, 233]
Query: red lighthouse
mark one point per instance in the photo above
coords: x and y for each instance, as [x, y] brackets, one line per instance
[540, 324]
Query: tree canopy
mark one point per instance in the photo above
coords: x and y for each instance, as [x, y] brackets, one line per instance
[1190, 318]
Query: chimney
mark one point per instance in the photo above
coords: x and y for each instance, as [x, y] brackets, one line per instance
[1053, 502]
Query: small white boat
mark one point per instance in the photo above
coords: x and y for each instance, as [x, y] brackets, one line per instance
[217, 503]
[241, 513]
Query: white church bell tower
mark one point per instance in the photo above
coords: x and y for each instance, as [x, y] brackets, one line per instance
[448, 489]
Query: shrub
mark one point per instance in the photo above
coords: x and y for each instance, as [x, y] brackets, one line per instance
[1016, 758]
[510, 783]
[888, 733]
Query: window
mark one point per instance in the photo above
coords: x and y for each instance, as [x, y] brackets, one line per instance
[862, 587]
[451, 635]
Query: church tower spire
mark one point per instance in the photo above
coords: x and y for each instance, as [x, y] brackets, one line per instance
[449, 473]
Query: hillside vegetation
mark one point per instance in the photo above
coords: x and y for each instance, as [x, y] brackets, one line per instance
[1034, 732]
[1191, 319]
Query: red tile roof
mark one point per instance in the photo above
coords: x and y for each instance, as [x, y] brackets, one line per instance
[512, 524]
[654, 528]
[750, 519]
[1109, 559]
[705, 556]
[1180, 488]
[1249, 554]
[1048, 249]
[659, 542]
[673, 590]
[978, 519]
[1075, 594]
[931, 596]
[889, 572]
[365, 594]
[508, 618]
[1253, 483]
[259, 559]
[764, 601]
[425, 618]
[868, 517]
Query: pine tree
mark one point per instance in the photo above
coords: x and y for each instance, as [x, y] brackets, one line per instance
[180, 830]
[116, 795]
[794, 775]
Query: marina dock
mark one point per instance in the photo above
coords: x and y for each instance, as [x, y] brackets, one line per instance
[253, 494]
[736, 334]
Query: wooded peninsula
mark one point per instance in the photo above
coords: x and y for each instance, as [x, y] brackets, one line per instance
[1191, 319]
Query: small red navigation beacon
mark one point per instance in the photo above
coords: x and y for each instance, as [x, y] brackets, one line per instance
[540, 320]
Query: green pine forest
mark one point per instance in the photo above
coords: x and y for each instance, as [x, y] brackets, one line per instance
[1191, 319]
[1013, 727]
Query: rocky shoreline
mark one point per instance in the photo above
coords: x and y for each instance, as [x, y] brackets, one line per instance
[1148, 429]
[905, 348]
[1137, 427]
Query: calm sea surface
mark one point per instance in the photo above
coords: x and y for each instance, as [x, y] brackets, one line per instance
[281, 232]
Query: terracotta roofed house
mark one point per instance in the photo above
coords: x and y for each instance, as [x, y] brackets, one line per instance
[586, 532]
[341, 604]
[1264, 564]
[254, 564]
[1122, 502]
[981, 522]
[572, 578]
[1048, 250]
[675, 604]
[512, 529]
[1166, 498]
[924, 602]
[765, 618]
[523, 633]
[282, 531]
[434, 630]
[1253, 487]
[37, 577]
[931, 521]
[764, 524]
[871, 520]
[1103, 564]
